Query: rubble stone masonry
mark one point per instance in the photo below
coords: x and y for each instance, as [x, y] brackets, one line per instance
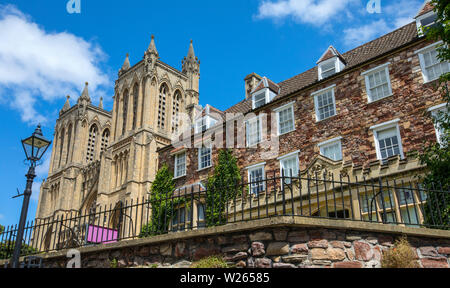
[272, 245]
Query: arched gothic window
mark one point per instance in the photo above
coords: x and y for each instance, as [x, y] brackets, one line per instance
[125, 111]
[176, 111]
[105, 140]
[69, 139]
[135, 103]
[162, 106]
[90, 154]
[61, 147]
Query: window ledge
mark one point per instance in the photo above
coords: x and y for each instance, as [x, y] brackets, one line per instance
[178, 177]
[204, 168]
[378, 100]
[323, 120]
[290, 131]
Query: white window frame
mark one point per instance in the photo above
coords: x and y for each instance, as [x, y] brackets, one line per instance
[175, 172]
[420, 53]
[383, 126]
[259, 120]
[264, 91]
[278, 110]
[209, 122]
[419, 22]
[366, 75]
[338, 66]
[292, 155]
[316, 104]
[253, 168]
[200, 160]
[434, 111]
[329, 143]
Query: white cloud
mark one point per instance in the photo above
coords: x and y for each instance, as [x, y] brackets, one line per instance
[316, 12]
[391, 17]
[365, 33]
[37, 67]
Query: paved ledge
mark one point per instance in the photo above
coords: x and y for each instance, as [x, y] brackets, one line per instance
[280, 221]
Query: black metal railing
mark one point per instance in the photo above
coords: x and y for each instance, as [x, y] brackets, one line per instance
[391, 202]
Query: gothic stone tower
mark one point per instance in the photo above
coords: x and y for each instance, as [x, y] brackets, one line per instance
[101, 157]
[149, 98]
[81, 137]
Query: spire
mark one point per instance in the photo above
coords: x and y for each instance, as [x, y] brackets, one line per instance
[191, 54]
[126, 63]
[100, 105]
[85, 94]
[191, 63]
[152, 47]
[66, 106]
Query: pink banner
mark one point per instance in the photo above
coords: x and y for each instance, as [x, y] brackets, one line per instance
[96, 234]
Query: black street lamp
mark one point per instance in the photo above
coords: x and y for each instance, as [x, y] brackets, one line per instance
[34, 147]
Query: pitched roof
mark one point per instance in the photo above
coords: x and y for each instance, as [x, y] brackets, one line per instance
[426, 7]
[267, 83]
[353, 58]
[330, 53]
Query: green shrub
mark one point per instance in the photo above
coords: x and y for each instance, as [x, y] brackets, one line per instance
[400, 256]
[210, 262]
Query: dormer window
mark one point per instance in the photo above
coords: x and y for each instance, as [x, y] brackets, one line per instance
[259, 99]
[330, 63]
[264, 92]
[328, 69]
[204, 123]
[426, 21]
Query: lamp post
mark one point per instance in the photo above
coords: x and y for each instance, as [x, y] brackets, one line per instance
[34, 147]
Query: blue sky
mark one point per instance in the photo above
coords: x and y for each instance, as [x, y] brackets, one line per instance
[47, 53]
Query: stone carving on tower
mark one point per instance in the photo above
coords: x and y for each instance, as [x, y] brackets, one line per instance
[150, 57]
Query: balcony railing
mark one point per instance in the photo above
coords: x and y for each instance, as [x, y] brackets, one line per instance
[386, 201]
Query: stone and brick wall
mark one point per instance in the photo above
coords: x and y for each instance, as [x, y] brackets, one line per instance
[410, 100]
[271, 246]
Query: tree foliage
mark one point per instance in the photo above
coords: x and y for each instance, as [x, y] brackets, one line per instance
[7, 249]
[161, 194]
[436, 156]
[222, 187]
[2, 228]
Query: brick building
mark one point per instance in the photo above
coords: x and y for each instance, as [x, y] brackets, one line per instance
[360, 114]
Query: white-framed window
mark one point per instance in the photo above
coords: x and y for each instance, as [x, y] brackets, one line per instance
[181, 218]
[254, 131]
[437, 112]
[180, 165]
[204, 123]
[387, 139]
[378, 83]
[331, 148]
[285, 118]
[431, 66]
[324, 102]
[201, 215]
[260, 98]
[329, 67]
[256, 178]
[204, 157]
[425, 21]
[289, 165]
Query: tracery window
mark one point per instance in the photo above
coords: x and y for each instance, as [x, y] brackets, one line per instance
[176, 111]
[162, 106]
[90, 154]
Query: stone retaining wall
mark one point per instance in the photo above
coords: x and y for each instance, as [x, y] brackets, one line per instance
[272, 246]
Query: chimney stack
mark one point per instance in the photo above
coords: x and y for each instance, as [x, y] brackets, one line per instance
[251, 81]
